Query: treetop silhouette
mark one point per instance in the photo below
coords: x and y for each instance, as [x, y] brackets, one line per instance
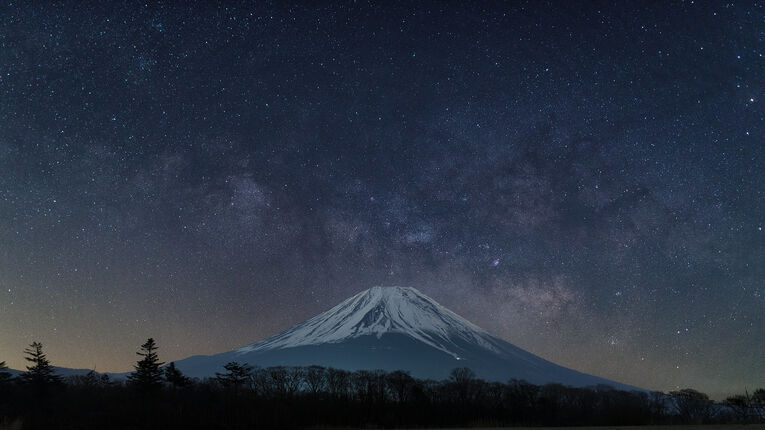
[39, 372]
[148, 374]
[4, 375]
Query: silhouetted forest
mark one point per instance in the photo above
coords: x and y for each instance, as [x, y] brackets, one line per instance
[242, 396]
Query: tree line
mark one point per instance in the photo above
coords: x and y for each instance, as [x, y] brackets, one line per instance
[244, 396]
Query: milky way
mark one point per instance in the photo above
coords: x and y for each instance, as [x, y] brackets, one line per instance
[585, 182]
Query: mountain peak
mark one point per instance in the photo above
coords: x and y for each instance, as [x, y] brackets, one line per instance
[395, 328]
[391, 290]
[391, 295]
[376, 312]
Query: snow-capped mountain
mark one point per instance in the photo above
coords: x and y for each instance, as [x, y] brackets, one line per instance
[395, 328]
[380, 311]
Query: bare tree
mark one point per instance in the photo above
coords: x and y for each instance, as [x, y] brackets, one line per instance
[361, 384]
[758, 404]
[400, 384]
[284, 381]
[462, 379]
[741, 405]
[315, 379]
[657, 405]
[692, 406]
[337, 383]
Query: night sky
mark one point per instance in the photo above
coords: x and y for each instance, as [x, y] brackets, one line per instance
[585, 181]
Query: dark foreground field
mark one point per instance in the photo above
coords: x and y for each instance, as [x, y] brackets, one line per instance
[314, 397]
[664, 427]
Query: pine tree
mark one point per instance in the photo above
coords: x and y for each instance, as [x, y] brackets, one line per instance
[148, 373]
[40, 373]
[174, 377]
[90, 379]
[236, 375]
[4, 375]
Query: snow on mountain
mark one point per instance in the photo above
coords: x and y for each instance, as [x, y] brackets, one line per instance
[395, 328]
[378, 311]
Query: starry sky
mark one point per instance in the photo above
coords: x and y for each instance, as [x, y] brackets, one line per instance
[582, 180]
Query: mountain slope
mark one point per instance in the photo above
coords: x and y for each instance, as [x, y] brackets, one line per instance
[380, 311]
[395, 328]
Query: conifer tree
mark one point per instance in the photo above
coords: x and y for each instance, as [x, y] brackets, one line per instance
[236, 375]
[5, 376]
[148, 372]
[40, 372]
[174, 377]
[90, 379]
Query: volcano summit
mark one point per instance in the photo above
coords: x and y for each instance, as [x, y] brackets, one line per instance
[395, 328]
